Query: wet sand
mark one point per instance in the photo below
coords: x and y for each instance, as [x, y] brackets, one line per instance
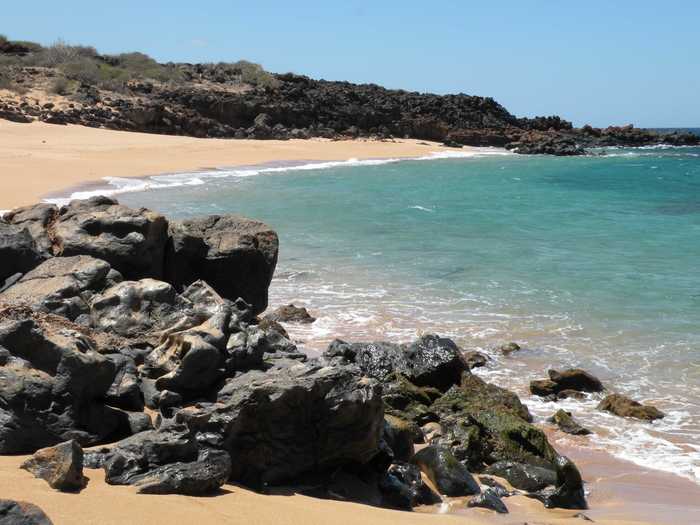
[38, 159]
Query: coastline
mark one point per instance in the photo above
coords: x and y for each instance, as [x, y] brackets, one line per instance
[619, 486]
[40, 159]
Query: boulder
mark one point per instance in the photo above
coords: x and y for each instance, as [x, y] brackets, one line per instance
[623, 406]
[484, 424]
[37, 219]
[409, 475]
[205, 475]
[125, 391]
[52, 384]
[568, 424]
[235, 255]
[131, 241]
[575, 379]
[571, 380]
[431, 361]
[488, 500]
[449, 476]
[60, 466]
[18, 251]
[529, 478]
[292, 420]
[290, 314]
[62, 285]
[21, 513]
[569, 492]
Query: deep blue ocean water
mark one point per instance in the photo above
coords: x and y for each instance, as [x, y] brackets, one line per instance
[587, 261]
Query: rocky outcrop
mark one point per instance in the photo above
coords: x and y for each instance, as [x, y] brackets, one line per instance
[568, 492]
[60, 466]
[623, 406]
[18, 252]
[52, 384]
[62, 286]
[21, 513]
[235, 255]
[131, 241]
[292, 420]
[430, 361]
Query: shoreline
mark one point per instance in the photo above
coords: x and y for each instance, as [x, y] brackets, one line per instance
[39, 159]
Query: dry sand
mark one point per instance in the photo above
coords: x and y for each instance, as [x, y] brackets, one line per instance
[39, 159]
[102, 504]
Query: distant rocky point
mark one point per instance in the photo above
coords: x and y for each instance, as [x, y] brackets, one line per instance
[65, 84]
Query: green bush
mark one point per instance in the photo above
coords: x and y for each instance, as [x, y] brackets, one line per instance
[3, 39]
[254, 74]
[141, 66]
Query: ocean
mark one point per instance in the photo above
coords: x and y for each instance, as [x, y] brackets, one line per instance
[588, 262]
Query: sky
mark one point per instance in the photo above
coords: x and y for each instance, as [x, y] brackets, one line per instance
[594, 62]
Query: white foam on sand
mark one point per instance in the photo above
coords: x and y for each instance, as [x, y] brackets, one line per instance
[118, 185]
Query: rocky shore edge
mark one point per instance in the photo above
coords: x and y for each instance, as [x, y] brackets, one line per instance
[146, 339]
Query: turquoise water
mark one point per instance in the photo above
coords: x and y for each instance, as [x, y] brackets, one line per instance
[588, 262]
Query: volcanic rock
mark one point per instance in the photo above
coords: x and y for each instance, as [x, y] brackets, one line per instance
[60, 466]
[623, 406]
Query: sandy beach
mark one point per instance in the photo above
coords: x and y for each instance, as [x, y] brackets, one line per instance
[38, 159]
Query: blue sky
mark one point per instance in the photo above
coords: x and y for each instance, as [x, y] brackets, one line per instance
[597, 62]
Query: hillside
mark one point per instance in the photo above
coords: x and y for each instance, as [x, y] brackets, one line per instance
[64, 84]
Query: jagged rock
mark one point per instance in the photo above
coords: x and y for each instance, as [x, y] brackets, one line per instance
[475, 359]
[60, 466]
[18, 251]
[21, 513]
[290, 314]
[292, 420]
[37, 219]
[399, 435]
[152, 307]
[62, 285]
[623, 406]
[566, 423]
[191, 361]
[52, 385]
[235, 255]
[131, 241]
[568, 493]
[488, 500]
[124, 392]
[524, 477]
[431, 361]
[449, 476]
[573, 379]
[410, 475]
[206, 475]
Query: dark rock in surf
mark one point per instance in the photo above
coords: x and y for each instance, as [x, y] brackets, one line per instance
[290, 314]
[566, 423]
[623, 406]
[569, 492]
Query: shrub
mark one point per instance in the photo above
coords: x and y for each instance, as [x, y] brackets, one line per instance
[60, 86]
[141, 66]
[3, 39]
[254, 74]
[60, 53]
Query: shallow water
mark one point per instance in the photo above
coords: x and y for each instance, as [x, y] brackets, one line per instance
[589, 262]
